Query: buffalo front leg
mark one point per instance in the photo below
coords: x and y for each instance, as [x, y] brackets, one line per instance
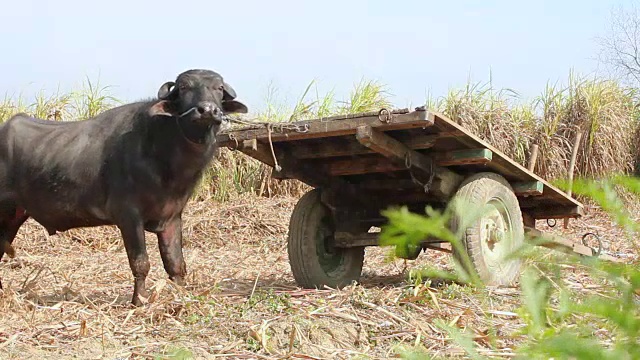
[9, 230]
[133, 237]
[170, 245]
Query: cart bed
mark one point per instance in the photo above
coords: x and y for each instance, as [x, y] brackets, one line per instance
[368, 151]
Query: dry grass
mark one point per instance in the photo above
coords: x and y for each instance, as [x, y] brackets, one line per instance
[67, 296]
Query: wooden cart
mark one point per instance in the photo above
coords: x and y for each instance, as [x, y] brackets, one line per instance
[361, 164]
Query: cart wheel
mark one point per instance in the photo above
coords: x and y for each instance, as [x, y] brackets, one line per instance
[497, 233]
[314, 261]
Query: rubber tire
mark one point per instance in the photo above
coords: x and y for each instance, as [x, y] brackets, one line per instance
[303, 252]
[477, 190]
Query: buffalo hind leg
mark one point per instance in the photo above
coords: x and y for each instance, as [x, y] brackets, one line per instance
[133, 236]
[10, 224]
[170, 245]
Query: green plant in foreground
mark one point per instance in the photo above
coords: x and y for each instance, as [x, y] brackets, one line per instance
[559, 322]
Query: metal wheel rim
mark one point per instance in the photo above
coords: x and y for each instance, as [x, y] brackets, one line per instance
[496, 235]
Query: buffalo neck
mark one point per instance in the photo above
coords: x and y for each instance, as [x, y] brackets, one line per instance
[198, 135]
[181, 152]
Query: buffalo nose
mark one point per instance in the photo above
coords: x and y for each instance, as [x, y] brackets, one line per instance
[207, 108]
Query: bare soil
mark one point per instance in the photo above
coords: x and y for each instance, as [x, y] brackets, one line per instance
[67, 296]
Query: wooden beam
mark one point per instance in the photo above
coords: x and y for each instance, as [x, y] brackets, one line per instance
[557, 243]
[392, 149]
[530, 188]
[252, 149]
[444, 181]
[327, 149]
[347, 240]
[556, 212]
[465, 157]
[565, 245]
[329, 127]
[344, 239]
[395, 152]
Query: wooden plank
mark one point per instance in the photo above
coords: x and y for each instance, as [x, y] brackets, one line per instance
[529, 188]
[367, 164]
[465, 157]
[322, 128]
[326, 149]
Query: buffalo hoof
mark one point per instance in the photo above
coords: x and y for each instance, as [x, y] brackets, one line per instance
[136, 301]
[179, 280]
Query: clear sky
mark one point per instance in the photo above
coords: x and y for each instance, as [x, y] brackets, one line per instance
[413, 46]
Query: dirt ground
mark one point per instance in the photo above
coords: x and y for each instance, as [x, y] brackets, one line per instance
[67, 296]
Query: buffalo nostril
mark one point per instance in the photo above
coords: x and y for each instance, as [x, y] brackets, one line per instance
[201, 110]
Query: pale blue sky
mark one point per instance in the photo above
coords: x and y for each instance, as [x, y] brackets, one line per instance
[413, 46]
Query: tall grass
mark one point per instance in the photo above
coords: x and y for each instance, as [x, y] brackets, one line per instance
[90, 100]
[603, 110]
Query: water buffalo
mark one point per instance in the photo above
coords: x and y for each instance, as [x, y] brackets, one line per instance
[134, 166]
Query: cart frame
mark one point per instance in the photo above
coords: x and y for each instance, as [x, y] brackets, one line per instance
[360, 164]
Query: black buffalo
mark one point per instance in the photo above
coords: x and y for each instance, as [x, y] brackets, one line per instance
[134, 166]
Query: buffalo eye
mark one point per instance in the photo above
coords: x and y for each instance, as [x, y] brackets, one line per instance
[221, 87]
[182, 87]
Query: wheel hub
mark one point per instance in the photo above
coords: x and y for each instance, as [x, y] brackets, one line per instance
[494, 229]
[328, 255]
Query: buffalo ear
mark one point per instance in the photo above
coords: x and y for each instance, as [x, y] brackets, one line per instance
[229, 92]
[234, 106]
[161, 108]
